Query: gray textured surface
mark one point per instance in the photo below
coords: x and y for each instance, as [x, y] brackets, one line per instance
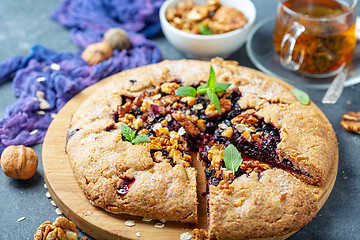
[24, 23]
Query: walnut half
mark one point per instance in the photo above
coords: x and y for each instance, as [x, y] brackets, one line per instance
[351, 121]
[61, 229]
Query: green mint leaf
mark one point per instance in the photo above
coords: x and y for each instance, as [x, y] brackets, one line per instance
[202, 89]
[142, 138]
[232, 158]
[204, 30]
[221, 87]
[212, 78]
[302, 96]
[214, 99]
[127, 132]
[186, 91]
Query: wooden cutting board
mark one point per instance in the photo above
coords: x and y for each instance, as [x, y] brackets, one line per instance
[96, 222]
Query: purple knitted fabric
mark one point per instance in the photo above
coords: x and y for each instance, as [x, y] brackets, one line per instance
[57, 77]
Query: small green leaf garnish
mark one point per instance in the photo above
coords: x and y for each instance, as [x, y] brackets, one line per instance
[212, 78]
[210, 88]
[204, 30]
[214, 99]
[222, 87]
[302, 96]
[186, 91]
[232, 158]
[129, 135]
[141, 139]
[127, 132]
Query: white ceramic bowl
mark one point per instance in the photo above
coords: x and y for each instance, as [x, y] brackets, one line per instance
[208, 46]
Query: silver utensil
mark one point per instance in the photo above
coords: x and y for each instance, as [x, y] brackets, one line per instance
[336, 87]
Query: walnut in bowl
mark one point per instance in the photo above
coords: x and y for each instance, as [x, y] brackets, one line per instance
[224, 40]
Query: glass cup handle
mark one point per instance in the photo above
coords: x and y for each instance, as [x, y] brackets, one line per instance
[287, 47]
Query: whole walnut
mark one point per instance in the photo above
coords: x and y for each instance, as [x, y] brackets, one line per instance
[19, 162]
[117, 38]
[61, 229]
[96, 53]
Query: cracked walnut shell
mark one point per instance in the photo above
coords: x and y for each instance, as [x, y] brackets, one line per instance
[19, 162]
[97, 52]
[351, 121]
[61, 229]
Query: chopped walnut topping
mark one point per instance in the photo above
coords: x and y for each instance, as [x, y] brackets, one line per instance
[122, 110]
[154, 144]
[189, 100]
[143, 131]
[198, 106]
[201, 124]
[215, 156]
[351, 122]
[186, 123]
[138, 122]
[227, 133]
[159, 157]
[246, 119]
[178, 158]
[169, 99]
[169, 88]
[62, 228]
[211, 111]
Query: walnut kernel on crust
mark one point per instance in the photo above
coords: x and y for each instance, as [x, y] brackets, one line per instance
[61, 229]
[351, 122]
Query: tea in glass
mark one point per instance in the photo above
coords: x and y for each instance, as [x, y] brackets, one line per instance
[315, 37]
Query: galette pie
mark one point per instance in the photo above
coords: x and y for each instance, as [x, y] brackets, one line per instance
[268, 159]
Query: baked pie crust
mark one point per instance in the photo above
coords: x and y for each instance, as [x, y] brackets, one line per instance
[289, 150]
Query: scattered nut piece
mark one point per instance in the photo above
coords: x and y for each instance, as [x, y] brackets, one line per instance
[21, 219]
[159, 225]
[53, 203]
[147, 219]
[33, 132]
[53, 115]
[19, 162]
[58, 211]
[40, 112]
[223, 126]
[181, 131]
[96, 53]
[130, 223]
[62, 228]
[185, 236]
[48, 195]
[45, 186]
[41, 97]
[351, 122]
[198, 106]
[40, 79]
[55, 66]
[138, 234]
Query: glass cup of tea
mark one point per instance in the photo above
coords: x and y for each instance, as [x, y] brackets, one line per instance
[315, 37]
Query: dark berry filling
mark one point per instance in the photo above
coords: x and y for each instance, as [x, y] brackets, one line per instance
[255, 139]
[125, 186]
